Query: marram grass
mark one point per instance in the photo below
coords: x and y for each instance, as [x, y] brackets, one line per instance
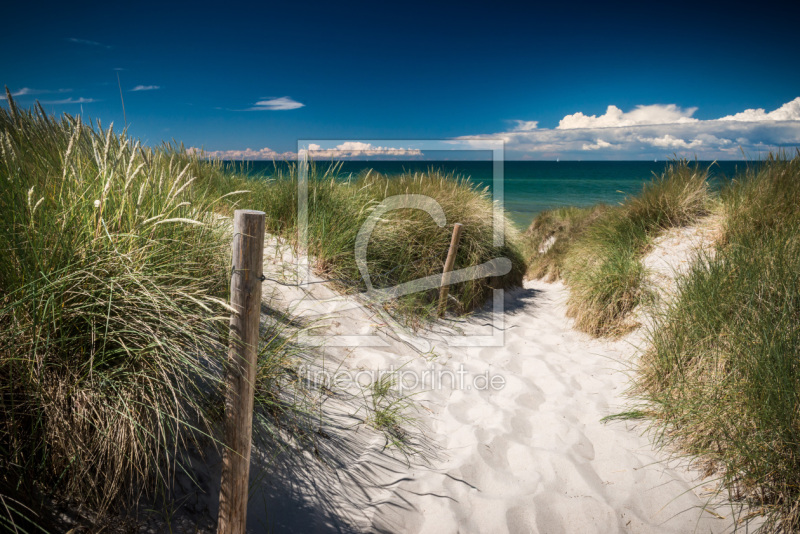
[598, 250]
[111, 279]
[552, 234]
[406, 244]
[113, 317]
[722, 379]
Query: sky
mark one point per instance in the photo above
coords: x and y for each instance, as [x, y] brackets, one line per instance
[552, 80]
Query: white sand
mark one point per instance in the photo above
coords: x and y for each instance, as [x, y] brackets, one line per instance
[674, 252]
[530, 457]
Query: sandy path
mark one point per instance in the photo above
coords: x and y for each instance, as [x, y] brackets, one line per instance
[534, 456]
[531, 456]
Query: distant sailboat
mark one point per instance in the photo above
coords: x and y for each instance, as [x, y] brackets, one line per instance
[557, 160]
[655, 161]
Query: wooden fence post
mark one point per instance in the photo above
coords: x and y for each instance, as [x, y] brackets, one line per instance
[448, 266]
[248, 257]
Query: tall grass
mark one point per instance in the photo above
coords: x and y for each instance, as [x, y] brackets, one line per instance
[598, 251]
[723, 374]
[406, 244]
[114, 271]
[552, 234]
[112, 280]
[605, 275]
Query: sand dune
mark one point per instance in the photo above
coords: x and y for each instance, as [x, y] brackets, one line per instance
[532, 456]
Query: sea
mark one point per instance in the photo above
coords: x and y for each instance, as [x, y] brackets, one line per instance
[531, 187]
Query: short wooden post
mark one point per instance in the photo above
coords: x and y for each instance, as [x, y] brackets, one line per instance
[248, 258]
[448, 266]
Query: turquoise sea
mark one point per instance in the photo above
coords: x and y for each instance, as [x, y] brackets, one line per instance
[531, 187]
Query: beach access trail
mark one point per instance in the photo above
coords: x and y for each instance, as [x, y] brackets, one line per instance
[530, 456]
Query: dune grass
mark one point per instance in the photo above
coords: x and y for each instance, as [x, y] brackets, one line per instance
[723, 375]
[109, 284]
[114, 279]
[392, 413]
[552, 234]
[406, 244]
[605, 275]
[598, 250]
[721, 379]
[114, 276]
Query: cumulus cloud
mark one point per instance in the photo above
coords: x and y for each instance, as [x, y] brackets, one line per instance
[615, 117]
[657, 130]
[146, 88]
[276, 104]
[790, 111]
[352, 149]
[597, 146]
[246, 154]
[667, 141]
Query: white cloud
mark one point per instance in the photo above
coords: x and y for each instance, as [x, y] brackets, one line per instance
[525, 126]
[80, 100]
[667, 141]
[28, 91]
[790, 111]
[615, 117]
[146, 88]
[349, 149]
[597, 146]
[246, 154]
[276, 104]
[352, 149]
[644, 132]
[655, 131]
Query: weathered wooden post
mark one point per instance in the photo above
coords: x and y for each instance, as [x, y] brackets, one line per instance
[448, 266]
[248, 257]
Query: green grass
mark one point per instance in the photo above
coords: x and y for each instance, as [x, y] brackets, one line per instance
[109, 284]
[390, 411]
[598, 250]
[114, 278]
[605, 275]
[722, 379]
[406, 244]
[113, 282]
[552, 234]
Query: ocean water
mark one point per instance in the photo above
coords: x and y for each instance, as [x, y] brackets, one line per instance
[531, 187]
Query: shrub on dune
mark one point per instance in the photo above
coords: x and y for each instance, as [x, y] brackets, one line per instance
[406, 244]
[597, 251]
[112, 285]
[722, 377]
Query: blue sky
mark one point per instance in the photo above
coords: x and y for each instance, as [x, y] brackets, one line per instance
[229, 77]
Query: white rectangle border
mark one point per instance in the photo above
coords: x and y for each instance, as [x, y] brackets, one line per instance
[325, 146]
